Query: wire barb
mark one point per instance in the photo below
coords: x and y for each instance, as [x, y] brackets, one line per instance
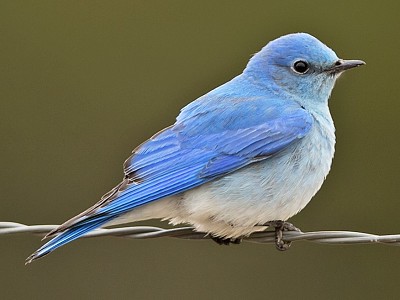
[264, 237]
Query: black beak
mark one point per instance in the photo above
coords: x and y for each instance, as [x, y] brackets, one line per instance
[343, 65]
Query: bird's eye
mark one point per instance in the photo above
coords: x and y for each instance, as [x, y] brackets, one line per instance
[301, 67]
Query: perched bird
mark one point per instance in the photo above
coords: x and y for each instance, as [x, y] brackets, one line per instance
[248, 154]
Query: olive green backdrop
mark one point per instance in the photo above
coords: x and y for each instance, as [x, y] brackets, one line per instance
[84, 82]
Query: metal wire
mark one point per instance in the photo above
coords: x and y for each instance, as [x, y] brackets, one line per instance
[265, 237]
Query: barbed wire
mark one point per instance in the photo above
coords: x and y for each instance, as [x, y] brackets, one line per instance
[265, 237]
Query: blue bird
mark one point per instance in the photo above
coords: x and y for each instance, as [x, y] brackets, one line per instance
[248, 154]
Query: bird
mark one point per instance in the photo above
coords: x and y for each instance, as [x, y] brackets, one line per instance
[249, 154]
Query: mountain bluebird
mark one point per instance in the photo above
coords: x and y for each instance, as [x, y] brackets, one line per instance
[248, 154]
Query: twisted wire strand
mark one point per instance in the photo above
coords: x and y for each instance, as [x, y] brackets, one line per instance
[265, 237]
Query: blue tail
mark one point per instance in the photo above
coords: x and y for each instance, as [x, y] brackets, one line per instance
[67, 236]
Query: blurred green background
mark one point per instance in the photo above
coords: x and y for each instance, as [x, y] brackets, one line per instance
[83, 82]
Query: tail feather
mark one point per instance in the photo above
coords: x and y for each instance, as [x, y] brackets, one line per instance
[67, 236]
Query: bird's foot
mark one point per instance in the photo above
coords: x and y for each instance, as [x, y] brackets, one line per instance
[280, 227]
[226, 241]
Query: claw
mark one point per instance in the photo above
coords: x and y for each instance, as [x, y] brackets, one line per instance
[226, 241]
[281, 226]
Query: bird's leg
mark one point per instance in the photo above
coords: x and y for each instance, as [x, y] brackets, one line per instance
[236, 241]
[281, 226]
[225, 241]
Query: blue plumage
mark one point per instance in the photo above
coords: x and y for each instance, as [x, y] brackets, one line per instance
[241, 123]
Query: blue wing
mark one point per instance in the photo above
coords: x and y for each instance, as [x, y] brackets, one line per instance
[212, 137]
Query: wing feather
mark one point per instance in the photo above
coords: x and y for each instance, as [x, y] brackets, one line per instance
[201, 146]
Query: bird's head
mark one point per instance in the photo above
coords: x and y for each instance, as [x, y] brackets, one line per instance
[300, 65]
